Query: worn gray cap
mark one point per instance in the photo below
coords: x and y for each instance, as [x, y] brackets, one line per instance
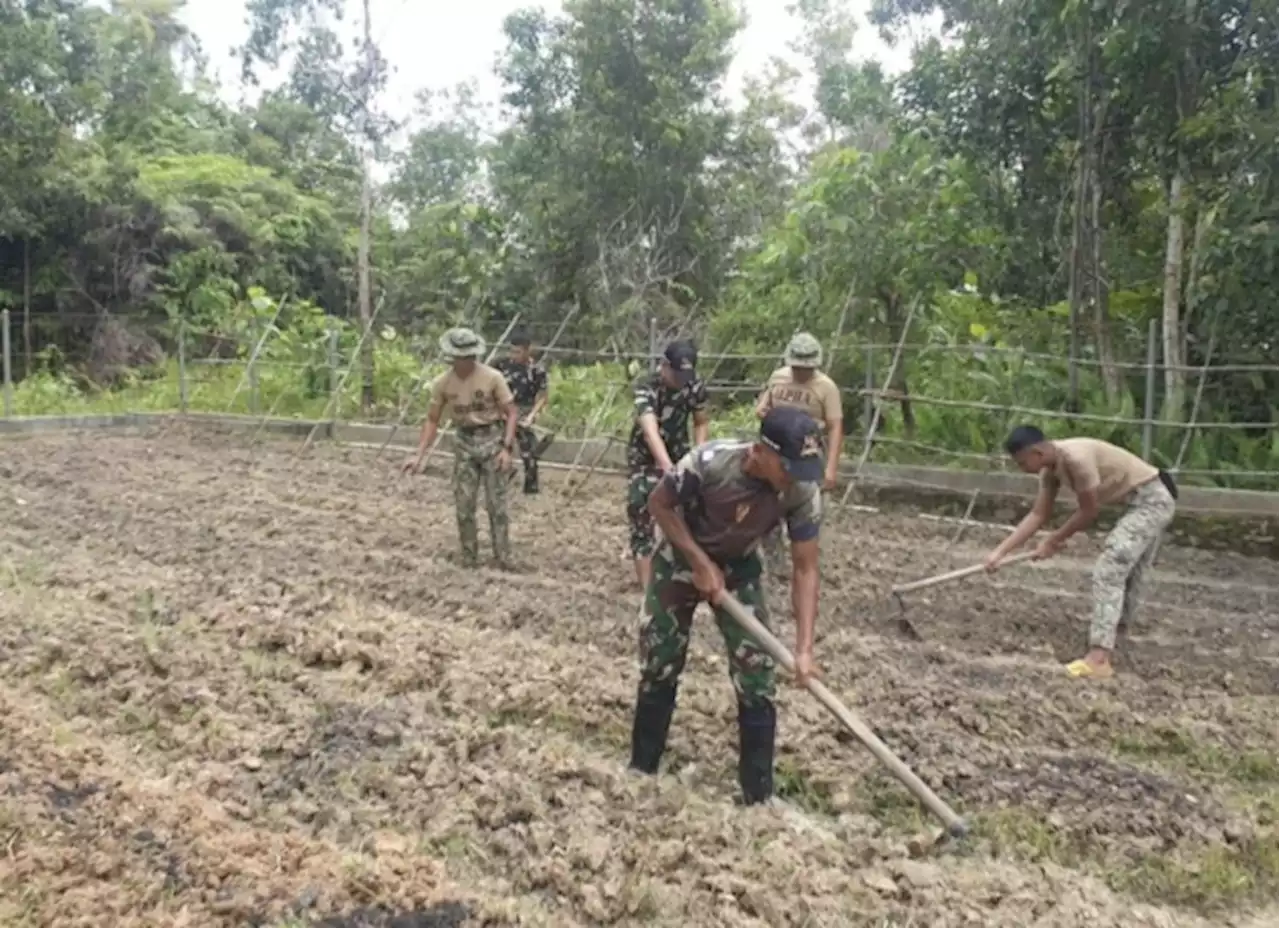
[461, 343]
[804, 351]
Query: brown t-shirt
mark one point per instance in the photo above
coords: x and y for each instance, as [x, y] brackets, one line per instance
[727, 511]
[818, 396]
[477, 400]
[1093, 464]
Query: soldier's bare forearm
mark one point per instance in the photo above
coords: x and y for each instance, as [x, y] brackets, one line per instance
[835, 439]
[429, 429]
[513, 419]
[649, 426]
[1029, 525]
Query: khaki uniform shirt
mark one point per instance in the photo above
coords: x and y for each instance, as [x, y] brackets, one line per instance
[1093, 464]
[818, 396]
[476, 401]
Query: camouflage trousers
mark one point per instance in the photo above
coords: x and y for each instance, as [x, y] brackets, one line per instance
[670, 602]
[527, 440]
[474, 463]
[1127, 553]
[639, 520]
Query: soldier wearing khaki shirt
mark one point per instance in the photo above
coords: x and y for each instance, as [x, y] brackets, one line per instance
[802, 386]
[1099, 474]
[477, 399]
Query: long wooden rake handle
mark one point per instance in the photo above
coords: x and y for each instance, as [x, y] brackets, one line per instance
[778, 651]
[957, 574]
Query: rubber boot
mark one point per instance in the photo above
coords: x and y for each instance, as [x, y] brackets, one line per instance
[649, 730]
[756, 728]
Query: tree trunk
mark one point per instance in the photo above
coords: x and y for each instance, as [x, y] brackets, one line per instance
[366, 209]
[1075, 277]
[1112, 382]
[1173, 332]
[898, 380]
[1075, 285]
[1191, 294]
[1171, 338]
[26, 306]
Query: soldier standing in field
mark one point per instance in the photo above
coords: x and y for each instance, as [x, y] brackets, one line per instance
[801, 385]
[1099, 474]
[664, 403]
[476, 398]
[713, 509]
[527, 381]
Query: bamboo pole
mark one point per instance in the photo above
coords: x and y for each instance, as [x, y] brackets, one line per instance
[247, 374]
[875, 414]
[342, 381]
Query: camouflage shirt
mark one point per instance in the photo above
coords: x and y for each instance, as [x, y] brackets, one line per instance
[526, 381]
[727, 511]
[672, 408]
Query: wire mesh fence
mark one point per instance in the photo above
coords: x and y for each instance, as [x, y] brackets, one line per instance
[929, 403]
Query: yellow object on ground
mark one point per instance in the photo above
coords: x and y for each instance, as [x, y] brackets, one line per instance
[1083, 668]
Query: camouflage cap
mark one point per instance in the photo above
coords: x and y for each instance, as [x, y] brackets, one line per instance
[461, 343]
[804, 351]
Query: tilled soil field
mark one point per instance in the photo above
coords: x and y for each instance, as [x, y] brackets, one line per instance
[239, 687]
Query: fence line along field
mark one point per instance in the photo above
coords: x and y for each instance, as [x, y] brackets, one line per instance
[239, 687]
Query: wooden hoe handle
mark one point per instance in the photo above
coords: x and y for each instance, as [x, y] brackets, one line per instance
[778, 651]
[957, 574]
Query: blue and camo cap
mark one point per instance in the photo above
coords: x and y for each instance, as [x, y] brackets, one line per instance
[795, 436]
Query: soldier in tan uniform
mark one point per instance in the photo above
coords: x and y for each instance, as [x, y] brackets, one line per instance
[1098, 474]
[478, 401]
[802, 386]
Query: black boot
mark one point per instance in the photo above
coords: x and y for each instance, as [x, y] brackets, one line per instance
[649, 730]
[756, 727]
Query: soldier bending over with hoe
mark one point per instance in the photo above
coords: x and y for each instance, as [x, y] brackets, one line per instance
[713, 509]
[663, 403]
[480, 405]
[1099, 474]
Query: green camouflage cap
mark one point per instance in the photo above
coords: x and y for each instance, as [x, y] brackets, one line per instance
[461, 343]
[804, 351]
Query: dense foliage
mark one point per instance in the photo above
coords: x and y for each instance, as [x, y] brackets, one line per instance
[1048, 175]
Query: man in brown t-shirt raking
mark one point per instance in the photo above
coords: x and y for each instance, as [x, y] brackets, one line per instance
[713, 508]
[1099, 474]
[478, 401]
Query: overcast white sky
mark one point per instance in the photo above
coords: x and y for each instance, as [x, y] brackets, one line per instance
[440, 43]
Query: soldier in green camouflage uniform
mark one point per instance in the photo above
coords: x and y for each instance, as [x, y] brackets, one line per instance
[528, 383]
[664, 403]
[713, 509]
[1098, 473]
[478, 401]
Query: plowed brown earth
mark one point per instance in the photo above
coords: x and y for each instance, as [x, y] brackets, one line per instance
[240, 689]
